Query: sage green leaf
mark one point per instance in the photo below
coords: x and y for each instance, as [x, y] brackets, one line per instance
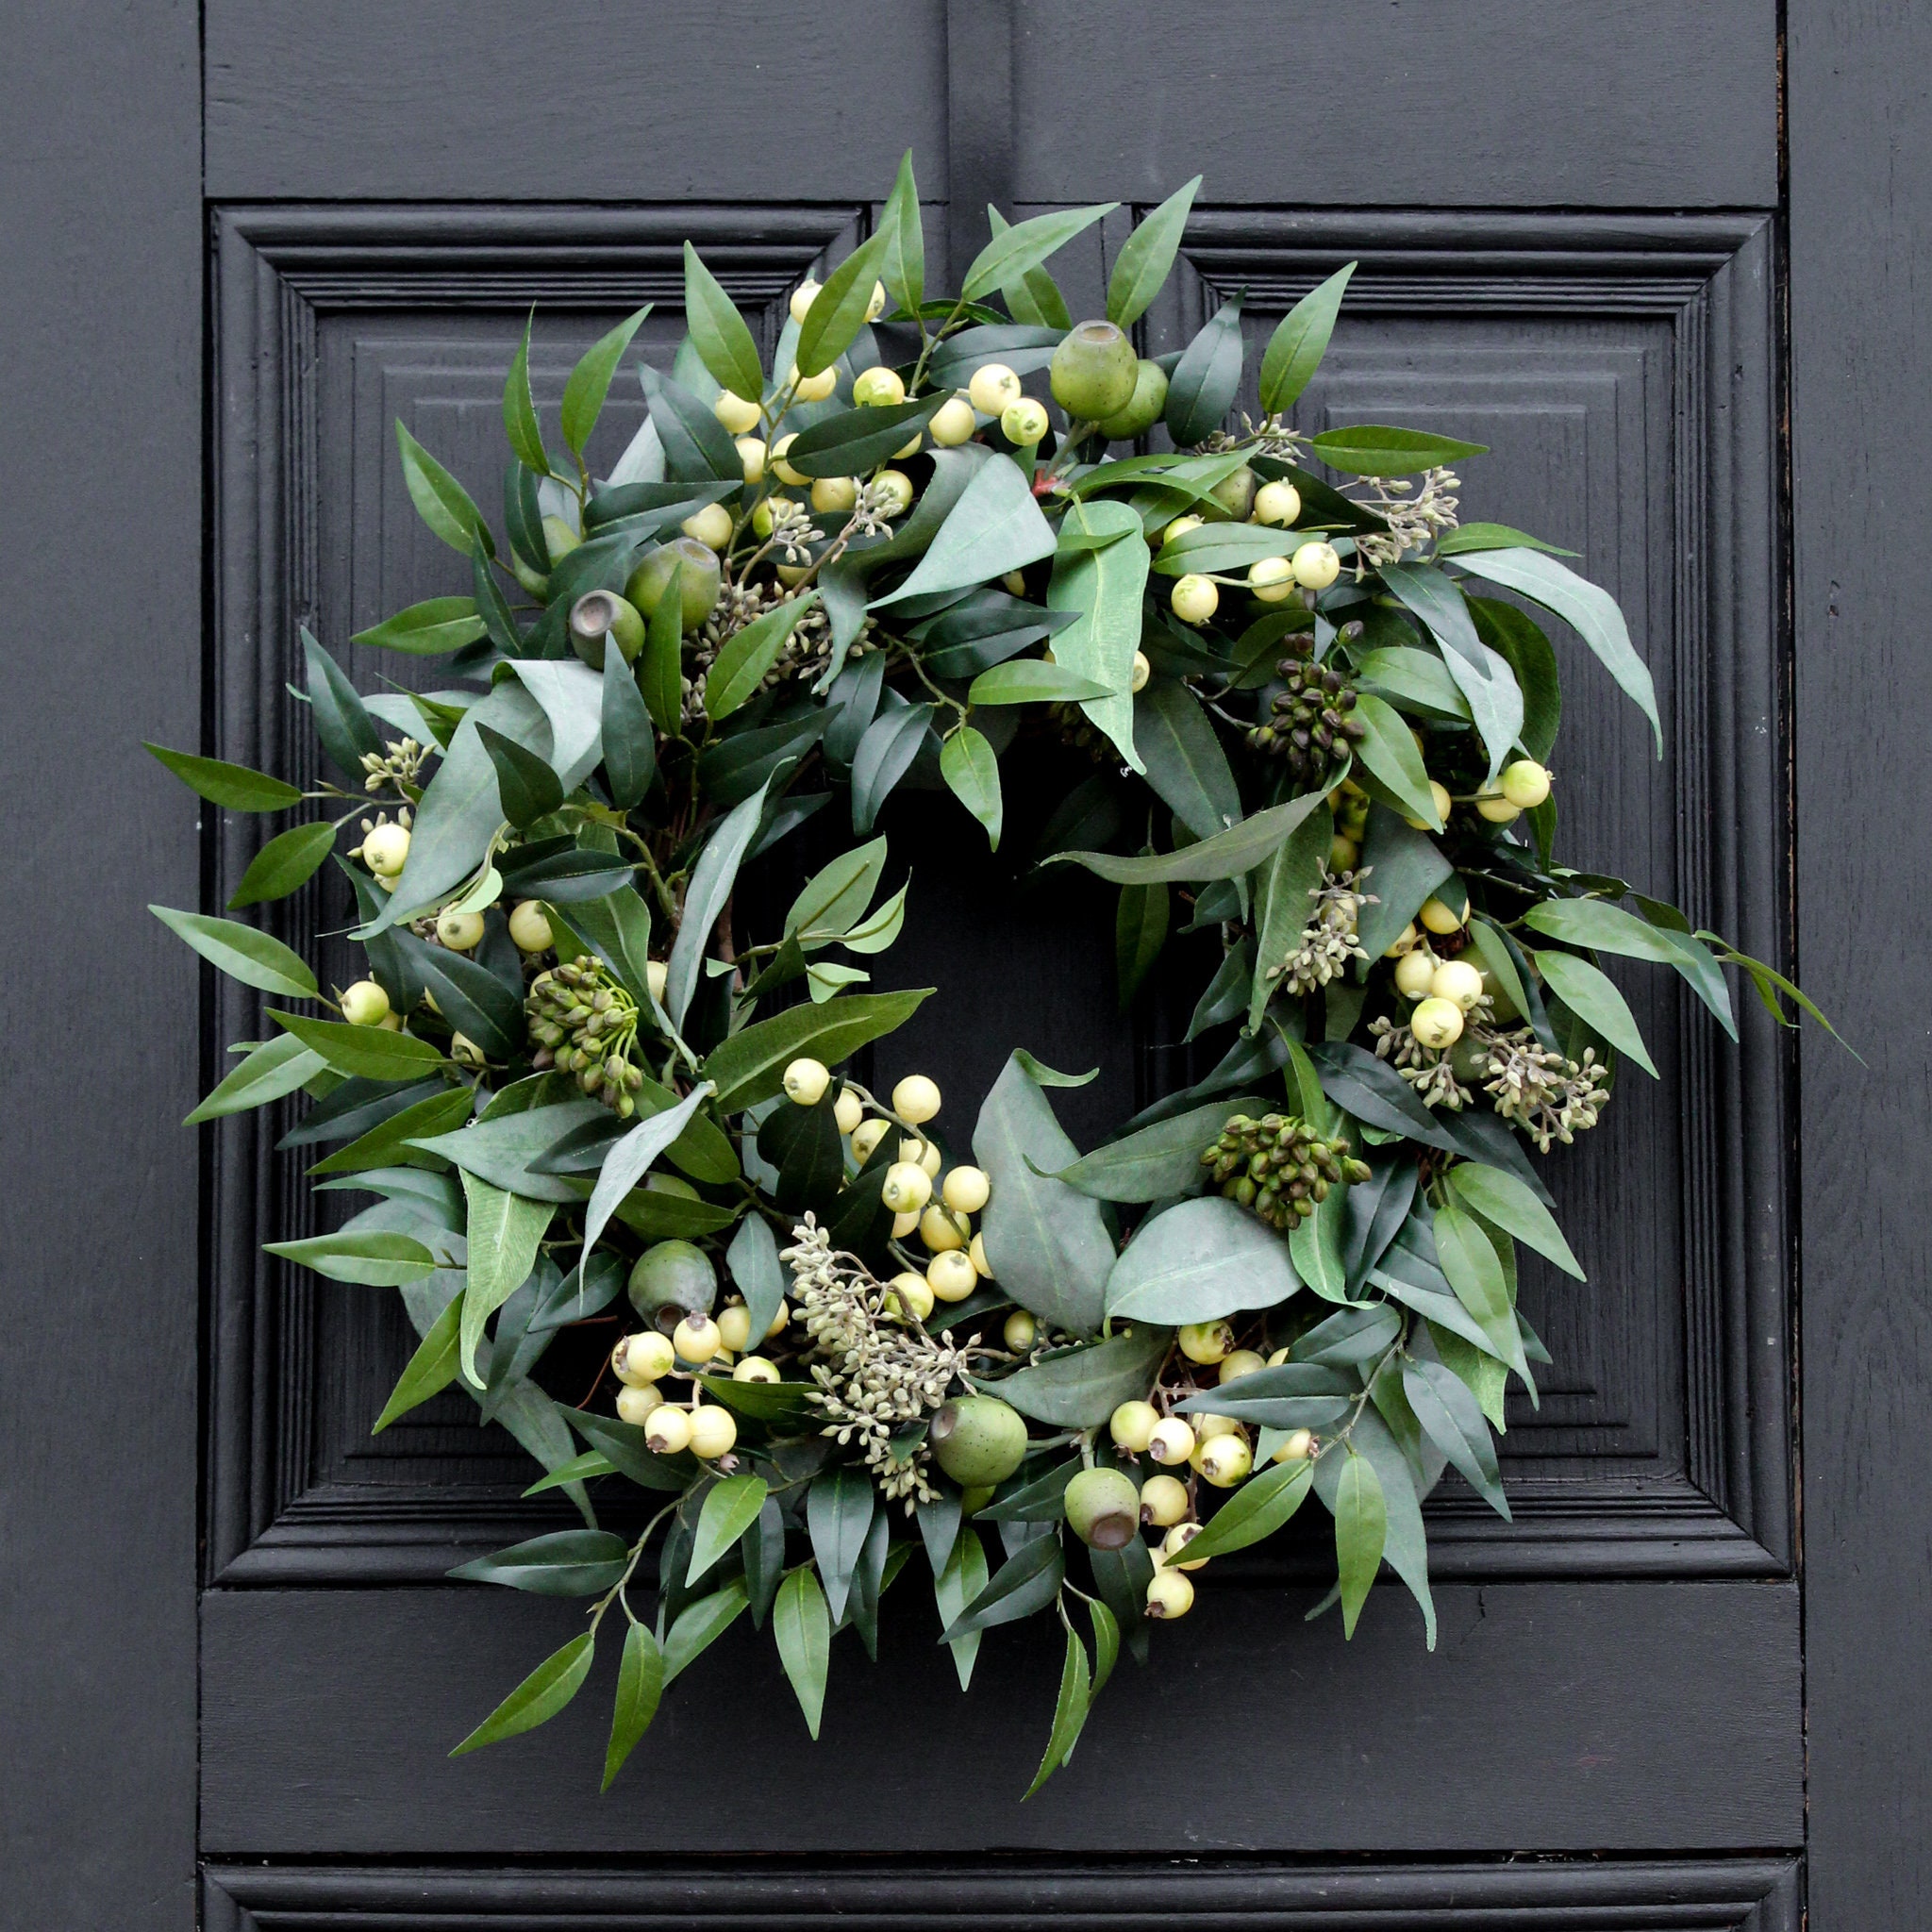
[1469, 1260]
[697, 447]
[340, 718]
[1197, 1263]
[1449, 1412]
[1069, 1712]
[1361, 1525]
[1226, 995]
[1405, 1546]
[442, 502]
[1157, 1161]
[428, 629]
[903, 268]
[1026, 1582]
[504, 1232]
[971, 772]
[1374, 449]
[1405, 867]
[1593, 996]
[1300, 340]
[1104, 588]
[538, 1698]
[834, 899]
[520, 407]
[590, 381]
[276, 1067]
[640, 1686]
[1185, 763]
[1140, 931]
[1372, 1090]
[802, 1628]
[626, 1162]
[1080, 1388]
[838, 1513]
[242, 953]
[1499, 1196]
[1201, 389]
[761, 1278]
[502, 1148]
[1106, 1643]
[527, 789]
[729, 1509]
[718, 331]
[430, 1369]
[1287, 884]
[1033, 681]
[750, 1065]
[1471, 537]
[1146, 257]
[701, 1625]
[994, 526]
[1769, 983]
[959, 1581]
[629, 743]
[837, 313]
[1046, 1243]
[1034, 297]
[878, 933]
[1388, 748]
[287, 861]
[660, 677]
[1587, 608]
[885, 755]
[1011, 254]
[1042, 1500]
[367, 1053]
[1224, 547]
[741, 665]
[1519, 640]
[1256, 1509]
[1316, 1247]
[1416, 680]
[235, 788]
[858, 440]
[1226, 856]
[625, 1444]
[1483, 676]
[1608, 928]
[706, 898]
[374, 1258]
[391, 1141]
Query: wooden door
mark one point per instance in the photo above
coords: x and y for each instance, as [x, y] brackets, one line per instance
[1585, 241]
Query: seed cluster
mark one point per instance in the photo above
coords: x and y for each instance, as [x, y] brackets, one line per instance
[584, 1023]
[1279, 1166]
[1312, 723]
[1329, 941]
[1550, 1097]
[803, 656]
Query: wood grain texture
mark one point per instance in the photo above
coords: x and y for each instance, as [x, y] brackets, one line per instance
[1609, 1716]
[1486, 103]
[101, 314]
[1861, 129]
[602, 102]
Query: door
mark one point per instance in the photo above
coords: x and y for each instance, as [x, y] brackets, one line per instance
[1639, 253]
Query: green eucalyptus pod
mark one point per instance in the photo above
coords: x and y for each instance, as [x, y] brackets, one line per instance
[673, 1279]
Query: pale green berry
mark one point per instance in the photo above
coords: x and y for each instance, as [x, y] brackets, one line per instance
[966, 1190]
[848, 1110]
[951, 1274]
[952, 424]
[461, 932]
[993, 386]
[1242, 1361]
[1163, 1500]
[1316, 566]
[908, 1189]
[1272, 580]
[1457, 981]
[877, 387]
[1526, 784]
[667, 1430]
[1020, 1331]
[365, 1004]
[738, 413]
[696, 1339]
[529, 926]
[1206, 1342]
[1171, 1441]
[806, 1081]
[386, 850]
[916, 1099]
[1436, 1024]
[1132, 1426]
[1279, 504]
[1194, 598]
[1024, 422]
[1170, 1595]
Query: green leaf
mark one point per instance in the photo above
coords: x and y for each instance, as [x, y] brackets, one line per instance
[275, 1068]
[959, 1581]
[748, 654]
[1519, 641]
[1185, 765]
[233, 786]
[1471, 537]
[640, 1684]
[1159, 1160]
[1080, 1388]
[370, 1260]
[1499, 1196]
[1140, 931]
[1146, 257]
[1372, 449]
[1197, 1263]
[1201, 389]
[837, 313]
[1415, 679]
[1034, 297]
[340, 718]
[1048, 1244]
[903, 268]
[623, 1443]
[1593, 996]
[1032, 681]
[590, 381]
[1315, 1248]
[1104, 588]
[1483, 676]
[706, 898]
[750, 1066]
[718, 331]
[1256, 1510]
[387, 1143]
[730, 1508]
[698, 449]
[527, 787]
[1026, 1582]
[838, 1513]
[834, 899]
[442, 502]
[994, 526]
[858, 440]
[1454, 1423]
[1388, 750]
[1106, 1643]
[659, 671]
[538, 1698]
[428, 629]
[1469, 1260]
[505, 1231]
[366, 1053]
[1300, 340]
[885, 755]
[802, 1628]
[1361, 1525]
[1224, 547]
[1608, 928]
[1011, 254]
[1286, 886]
[1769, 984]
[971, 772]
[701, 1625]
[1589, 609]
[1069, 1712]
[1226, 856]
[1372, 1090]
[630, 745]
[1405, 867]
[431, 1369]
[242, 953]
[520, 409]
[284, 863]
[626, 1162]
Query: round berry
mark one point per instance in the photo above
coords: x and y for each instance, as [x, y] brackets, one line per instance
[876, 307]
[529, 926]
[877, 387]
[916, 1099]
[834, 495]
[1272, 580]
[1093, 371]
[646, 1356]
[386, 850]
[710, 525]
[696, 1339]
[738, 413]
[1526, 784]
[907, 1292]
[713, 1430]
[1206, 1342]
[754, 1368]
[1171, 1441]
[1020, 1331]
[951, 1275]
[667, 1430]
[1143, 671]
[1024, 422]
[941, 1230]
[1144, 408]
[365, 1004]
[848, 1110]
[1226, 1460]
[812, 389]
[993, 386]
[866, 1137]
[1279, 504]
[893, 489]
[1296, 1446]
[806, 1081]
[1243, 1361]
[802, 298]
[781, 469]
[1194, 598]
[1316, 566]
[734, 1327]
[923, 1154]
[1170, 1595]
[1163, 1500]
[1179, 527]
[1498, 810]
[952, 423]
[751, 458]
[1174, 1541]
[1132, 1426]
[637, 1401]
[657, 977]
[1458, 981]
[966, 1190]
[558, 539]
[461, 932]
[1437, 1023]
[1440, 793]
[1405, 943]
[908, 1188]
[975, 1253]
[1436, 917]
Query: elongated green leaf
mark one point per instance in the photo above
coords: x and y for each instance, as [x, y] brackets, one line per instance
[838, 1514]
[1608, 929]
[1140, 931]
[442, 502]
[1106, 1643]
[538, 1698]
[342, 720]
[718, 332]
[1069, 1712]
[1483, 676]
[1449, 1411]
[428, 629]
[284, 863]
[1497, 1195]
[1372, 1090]
[1081, 1389]
[1146, 257]
[1769, 983]
[1256, 1510]
[958, 1582]
[520, 409]
[1361, 1525]
[368, 1053]
[371, 1260]
[1300, 340]
[858, 440]
[1388, 749]
[1007, 258]
[590, 381]
[1185, 763]
[1593, 996]
[1032, 298]
[388, 1142]
[1032, 681]
[1474, 537]
[701, 1625]
[627, 1162]
[1197, 1262]
[1104, 588]
[750, 1066]
[659, 673]
[837, 313]
[802, 1628]
[527, 787]
[640, 1684]
[1405, 866]
[835, 898]
[1416, 680]
[235, 788]
[1224, 547]
[1026, 1582]
[1469, 1260]
[740, 667]
[885, 755]
[1159, 1160]
[993, 527]
[242, 953]
[504, 1232]
[1316, 1248]
[430, 1369]
[903, 268]
[971, 772]
[1520, 641]
[275, 1068]
[1203, 387]
[1374, 449]
[1226, 856]
[706, 898]
[730, 1508]
[1293, 875]
[629, 745]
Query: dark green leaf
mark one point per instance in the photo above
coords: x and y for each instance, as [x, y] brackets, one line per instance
[1295, 1395]
[520, 409]
[283, 864]
[701, 1625]
[705, 900]
[1069, 1712]
[630, 745]
[1608, 929]
[1104, 588]
[1158, 1161]
[431, 1369]
[1472, 537]
[1256, 1510]
[1147, 257]
[958, 1583]
[837, 313]
[1483, 676]
[1292, 876]
[428, 629]
[1026, 1582]
[529, 788]
[1593, 996]
[1300, 340]
[1416, 680]
[1186, 764]
[1080, 1388]
[1405, 867]
[623, 1443]
[368, 1052]
[590, 381]
[234, 786]
[1033, 297]
[1372, 1090]
[1454, 1422]
[885, 755]
[761, 1278]
[386, 1144]
[1389, 751]
[903, 268]
[1498, 1196]
[718, 332]
[275, 1068]
[442, 502]
[1520, 643]
[640, 1684]
[1226, 856]
[1351, 1335]
[1201, 389]
[1372, 449]
[802, 1627]
[538, 1698]
[856, 442]
[1007, 258]
[838, 1513]
[697, 447]
[340, 718]
[994, 526]
[626, 1163]
[567, 1562]
[750, 1066]
[1140, 931]
[1469, 1260]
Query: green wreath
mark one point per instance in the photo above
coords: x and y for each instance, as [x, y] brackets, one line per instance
[576, 1084]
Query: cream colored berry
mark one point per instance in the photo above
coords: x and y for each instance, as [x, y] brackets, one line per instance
[710, 525]
[1243, 1361]
[908, 1189]
[1020, 1331]
[1279, 504]
[657, 977]
[1406, 941]
[667, 1430]
[951, 1274]
[1179, 527]
[966, 1190]
[780, 1319]
[386, 850]
[866, 1137]
[1344, 853]
[461, 932]
[645, 1357]
[1296, 1446]
[1206, 1342]
[734, 1327]
[1172, 1440]
[696, 1339]
[1436, 917]
[738, 413]
[637, 1402]
[365, 1004]
[1437, 1023]
[1194, 598]
[754, 1368]
[1225, 1461]
[834, 495]
[806, 1081]
[953, 422]
[462, 1049]
[907, 1292]
[1176, 1541]
[751, 458]
[848, 1110]
[1169, 1595]
[892, 490]
[975, 1253]
[529, 926]
[1132, 1424]
[1143, 671]
[993, 386]
[923, 1154]
[905, 1225]
[940, 1230]
[916, 1099]
[1163, 1500]
[802, 298]
[1024, 422]
[877, 305]
[782, 470]
[1457, 981]
[877, 387]
[713, 1430]
[812, 389]
[1440, 793]
[1272, 580]
[1526, 784]
[1316, 566]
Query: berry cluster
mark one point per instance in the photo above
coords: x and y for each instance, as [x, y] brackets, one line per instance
[585, 1023]
[1313, 722]
[1279, 1166]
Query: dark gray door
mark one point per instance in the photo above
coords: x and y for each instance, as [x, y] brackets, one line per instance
[1654, 258]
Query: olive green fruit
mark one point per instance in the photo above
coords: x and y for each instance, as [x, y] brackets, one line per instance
[1094, 373]
[1236, 493]
[1103, 1508]
[1279, 1167]
[1143, 408]
[673, 1279]
[699, 579]
[558, 539]
[978, 1439]
[598, 611]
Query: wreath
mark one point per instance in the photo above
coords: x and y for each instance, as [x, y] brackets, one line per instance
[593, 1107]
